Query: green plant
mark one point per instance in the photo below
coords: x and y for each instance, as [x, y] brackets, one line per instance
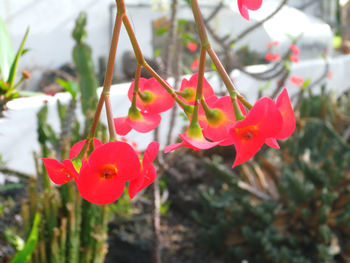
[8, 66]
[297, 212]
[72, 229]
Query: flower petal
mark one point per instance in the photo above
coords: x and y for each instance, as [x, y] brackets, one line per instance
[56, 171]
[121, 126]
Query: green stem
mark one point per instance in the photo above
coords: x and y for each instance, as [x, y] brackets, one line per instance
[136, 85]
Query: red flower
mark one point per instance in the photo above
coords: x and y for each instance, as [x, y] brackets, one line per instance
[188, 89]
[191, 46]
[272, 57]
[294, 58]
[288, 119]
[102, 178]
[294, 49]
[61, 173]
[216, 122]
[193, 138]
[297, 81]
[148, 173]
[245, 5]
[263, 121]
[138, 120]
[195, 64]
[153, 98]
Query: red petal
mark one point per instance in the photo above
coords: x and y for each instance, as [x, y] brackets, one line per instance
[57, 171]
[262, 121]
[252, 4]
[288, 119]
[121, 126]
[218, 131]
[172, 147]
[69, 166]
[161, 100]
[208, 91]
[76, 148]
[152, 151]
[197, 144]
[147, 123]
[272, 142]
[147, 177]
[243, 9]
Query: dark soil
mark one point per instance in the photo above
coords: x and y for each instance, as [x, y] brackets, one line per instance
[131, 241]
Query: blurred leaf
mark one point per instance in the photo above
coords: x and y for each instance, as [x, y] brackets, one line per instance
[27, 93]
[14, 65]
[156, 52]
[69, 86]
[266, 86]
[25, 254]
[6, 51]
[161, 31]
[337, 41]
[306, 84]
[3, 85]
[15, 240]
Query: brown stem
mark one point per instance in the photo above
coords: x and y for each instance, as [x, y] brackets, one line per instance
[106, 85]
[199, 89]
[205, 44]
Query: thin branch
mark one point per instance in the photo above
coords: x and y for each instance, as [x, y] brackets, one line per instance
[258, 24]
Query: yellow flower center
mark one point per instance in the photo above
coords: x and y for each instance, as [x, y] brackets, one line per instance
[108, 171]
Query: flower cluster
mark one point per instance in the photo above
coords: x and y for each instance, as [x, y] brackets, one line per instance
[225, 121]
[101, 176]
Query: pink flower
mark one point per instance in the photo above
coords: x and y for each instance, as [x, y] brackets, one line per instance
[138, 120]
[191, 46]
[297, 81]
[294, 58]
[294, 49]
[195, 64]
[272, 56]
[153, 98]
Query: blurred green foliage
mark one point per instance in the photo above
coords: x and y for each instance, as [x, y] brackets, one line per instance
[294, 208]
[72, 230]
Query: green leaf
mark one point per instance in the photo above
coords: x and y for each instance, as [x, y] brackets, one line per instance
[27, 93]
[25, 254]
[161, 31]
[306, 83]
[266, 86]
[3, 85]
[6, 51]
[69, 86]
[337, 41]
[11, 78]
